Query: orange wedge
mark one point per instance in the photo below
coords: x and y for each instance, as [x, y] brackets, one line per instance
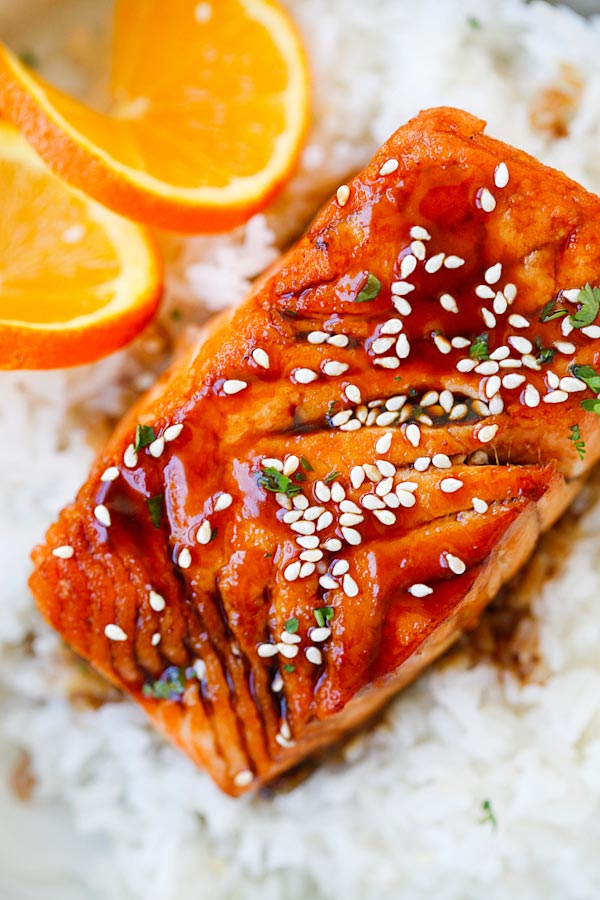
[210, 105]
[76, 280]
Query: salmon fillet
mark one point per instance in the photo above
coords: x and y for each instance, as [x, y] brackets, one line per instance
[322, 495]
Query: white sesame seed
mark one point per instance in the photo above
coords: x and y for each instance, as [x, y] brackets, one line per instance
[290, 465]
[307, 569]
[510, 292]
[466, 365]
[304, 376]
[284, 731]
[156, 447]
[277, 684]
[500, 353]
[454, 262]
[441, 461]
[322, 492]
[317, 337]
[303, 527]
[115, 633]
[591, 331]
[531, 362]
[338, 340]
[406, 498]
[387, 362]
[384, 443]
[420, 233]
[401, 288]
[492, 386]
[552, 379]
[334, 368]
[353, 393]
[488, 317]
[318, 635]
[531, 397]
[434, 263]
[110, 474]
[283, 500]
[391, 500]
[267, 650]
[446, 400]
[413, 434]
[337, 492]
[327, 582]
[342, 194]
[388, 167]
[332, 545]
[571, 294]
[417, 248]
[372, 501]
[496, 405]
[172, 432]
[484, 291]
[384, 486]
[340, 567]
[442, 343]
[385, 516]
[271, 462]
[349, 586]
[324, 520]
[204, 533]
[351, 536]
[402, 346]
[487, 433]
[479, 506]
[261, 358]
[487, 200]
[395, 403]
[451, 485]
[287, 638]
[289, 651]
[408, 265]
[130, 457]
[420, 590]
[500, 304]
[460, 342]
[357, 476]
[223, 501]
[184, 560]
[556, 397]
[455, 564]
[520, 344]
[566, 327]
[458, 411]
[314, 656]
[352, 425]
[156, 638]
[402, 306]
[351, 519]
[501, 175]
[234, 386]
[387, 469]
[243, 778]
[65, 551]
[313, 512]
[448, 303]
[102, 514]
[422, 463]
[157, 601]
[292, 515]
[489, 367]
[382, 344]
[311, 555]
[572, 385]
[392, 326]
[372, 472]
[493, 274]
[518, 321]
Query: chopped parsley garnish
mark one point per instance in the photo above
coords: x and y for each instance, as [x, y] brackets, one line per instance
[332, 406]
[591, 405]
[588, 375]
[155, 507]
[213, 533]
[305, 464]
[589, 298]
[548, 312]
[323, 614]
[545, 354]
[291, 626]
[171, 684]
[331, 477]
[268, 556]
[299, 476]
[272, 480]
[144, 435]
[370, 290]
[489, 815]
[479, 349]
[288, 668]
[578, 441]
[397, 377]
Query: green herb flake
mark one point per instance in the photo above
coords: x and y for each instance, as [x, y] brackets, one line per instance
[291, 626]
[144, 435]
[589, 298]
[288, 668]
[213, 534]
[588, 375]
[578, 442]
[370, 290]
[473, 22]
[300, 476]
[305, 464]
[548, 312]
[323, 614]
[171, 684]
[272, 480]
[331, 477]
[545, 354]
[591, 405]
[479, 349]
[331, 407]
[155, 508]
[397, 377]
[489, 815]
[268, 556]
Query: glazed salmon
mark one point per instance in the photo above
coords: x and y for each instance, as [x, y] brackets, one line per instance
[327, 490]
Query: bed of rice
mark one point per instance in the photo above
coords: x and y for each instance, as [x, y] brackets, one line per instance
[118, 815]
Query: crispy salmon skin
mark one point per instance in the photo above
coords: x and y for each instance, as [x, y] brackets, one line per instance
[320, 497]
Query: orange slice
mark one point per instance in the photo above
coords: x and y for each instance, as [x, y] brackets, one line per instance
[210, 107]
[76, 280]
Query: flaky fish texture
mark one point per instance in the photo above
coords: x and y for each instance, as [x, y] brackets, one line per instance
[322, 495]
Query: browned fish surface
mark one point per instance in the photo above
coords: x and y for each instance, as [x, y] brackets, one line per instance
[325, 493]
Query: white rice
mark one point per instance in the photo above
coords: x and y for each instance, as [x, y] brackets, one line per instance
[119, 815]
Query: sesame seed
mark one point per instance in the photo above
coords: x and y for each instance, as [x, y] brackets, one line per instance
[417, 248]
[402, 346]
[455, 564]
[318, 635]
[332, 545]
[448, 303]
[552, 379]
[401, 288]
[384, 443]
[480, 408]
[451, 485]
[492, 386]
[204, 533]
[351, 536]
[488, 317]
[487, 200]
[277, 684]
[392, 326]
[518, 321]
[387, 362]
[420, 590]
[571, 294]
[307, 569]
[340, 567]
[441, 461]
[337, 492]
[384, 486]
[272, 463]
[261, 358]
[460, 342]
[556, 397]
[65, 551]
[283, 500]
[351, 519]
[487, 433]
[342, 194]
[387, 469]
[572, 385]
[327, 582]
[102, 514]
[484, 291]
[489, 367]
[115, 633]
[357, 476]
[223, 501]
[157, 601]
[434, 263]
[317, 337]
[466, 365]
[479, 506]
[311, 555]
[156, 637]
[243, 778]
[566, 327]
[395, 403]
[591, 331]
[313, 512]
[185, 559]
[267, 650]
[290, 465]
[496, 405]
[385, 516]
[383, 344]
[420, 233]
[402, 306]
[303, 527]
[413, 434]
[500, 353]
[520, 344]
[110, 474]
[289, 651]
[391, 500]
[531, 396]
[292, 516]
[429, 399]
[353, 425]
[388, 167]
[501, 175]
[408, 265]
[156, 447]
[338, 340]
[446, 400]
[324, 520]
[406, 498]
[372, 472]
[371, 502]
[172, 432]
[458, 412]
[234, 386]
[314, 656]
[531, 362]
[304, 376]
[333, 368]
[284, 731]
[454, 262]
[130, 457]
[500, 304]
[353, 393]
[349, 586]
[493, 274]
[322, 492]
[442, 343]
[510, 291]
